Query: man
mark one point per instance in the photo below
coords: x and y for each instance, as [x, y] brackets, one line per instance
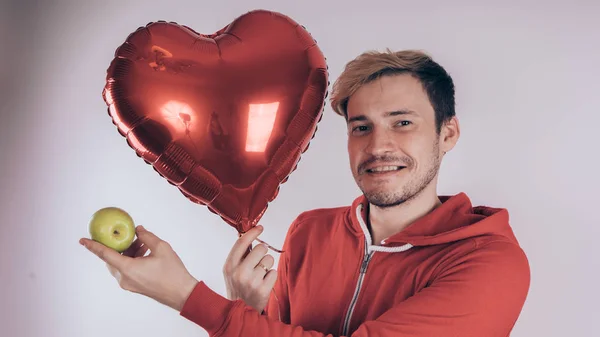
[399, 261]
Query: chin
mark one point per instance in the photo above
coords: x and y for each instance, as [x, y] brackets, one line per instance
[388, 194]
[378, 193]
[384, 200]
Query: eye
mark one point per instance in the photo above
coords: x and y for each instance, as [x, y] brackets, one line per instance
[404, 123]
[360, 129]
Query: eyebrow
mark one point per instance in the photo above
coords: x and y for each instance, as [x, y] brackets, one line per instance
[387, 114]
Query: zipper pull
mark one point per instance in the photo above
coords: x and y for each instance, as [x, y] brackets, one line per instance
[365, 263]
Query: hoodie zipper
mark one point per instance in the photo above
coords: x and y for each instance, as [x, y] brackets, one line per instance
[361, 276]
[363, 267]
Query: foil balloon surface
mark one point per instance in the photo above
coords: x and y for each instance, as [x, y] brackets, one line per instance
[223, 117]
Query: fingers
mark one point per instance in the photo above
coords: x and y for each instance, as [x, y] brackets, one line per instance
[264, 265]
[137, 249]
[145, 240]
[254, 257]
[108, 255]
[135, 246]
[270, 280]
[141, 252]
[241, 246]
[148, 238]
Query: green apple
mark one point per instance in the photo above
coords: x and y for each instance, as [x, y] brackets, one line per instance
[112, 227]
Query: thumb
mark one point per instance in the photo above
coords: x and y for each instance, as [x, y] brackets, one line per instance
[147, 238]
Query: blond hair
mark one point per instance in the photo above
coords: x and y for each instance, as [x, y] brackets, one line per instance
[371, 65]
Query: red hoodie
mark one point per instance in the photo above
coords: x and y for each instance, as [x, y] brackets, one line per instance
[457, 271]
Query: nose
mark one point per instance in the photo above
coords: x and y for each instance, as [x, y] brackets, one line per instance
[380, 142]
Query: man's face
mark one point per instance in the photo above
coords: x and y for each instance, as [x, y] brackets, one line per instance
[395, 151]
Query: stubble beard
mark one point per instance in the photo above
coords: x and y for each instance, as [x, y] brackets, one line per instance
[382, 198]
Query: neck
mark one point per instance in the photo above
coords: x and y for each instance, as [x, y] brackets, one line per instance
[385, 222]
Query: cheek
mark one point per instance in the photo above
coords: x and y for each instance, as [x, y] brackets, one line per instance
[423, 151]
[416, 147]
[354, 154]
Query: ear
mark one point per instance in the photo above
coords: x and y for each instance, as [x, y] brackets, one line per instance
[449, 134]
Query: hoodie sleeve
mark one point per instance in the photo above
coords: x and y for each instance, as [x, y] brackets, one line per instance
[480, 294]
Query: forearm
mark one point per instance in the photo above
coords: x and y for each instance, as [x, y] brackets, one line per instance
[224, 318]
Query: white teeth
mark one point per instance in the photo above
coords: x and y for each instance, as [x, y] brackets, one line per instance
[384, 168]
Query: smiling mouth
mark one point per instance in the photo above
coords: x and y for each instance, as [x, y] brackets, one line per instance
[384, 169]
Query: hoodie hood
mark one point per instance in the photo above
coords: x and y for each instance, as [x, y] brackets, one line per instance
[455, 219]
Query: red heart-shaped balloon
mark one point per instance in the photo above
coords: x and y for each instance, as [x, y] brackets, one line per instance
[224, 117]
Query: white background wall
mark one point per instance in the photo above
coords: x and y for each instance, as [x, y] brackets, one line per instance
[528, 100]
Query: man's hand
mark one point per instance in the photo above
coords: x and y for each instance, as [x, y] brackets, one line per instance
[160, 275]
[250, 277]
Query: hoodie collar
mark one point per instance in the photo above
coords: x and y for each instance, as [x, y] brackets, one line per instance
[453, 220]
